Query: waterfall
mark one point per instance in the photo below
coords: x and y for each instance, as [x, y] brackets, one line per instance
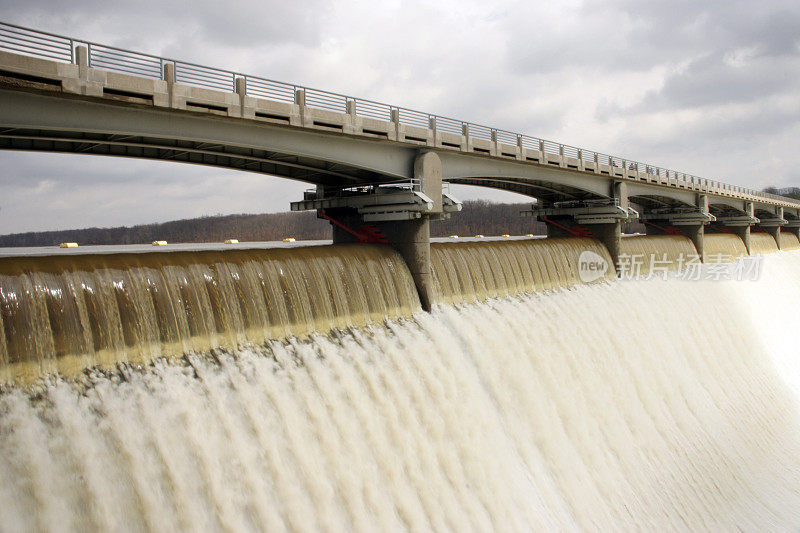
[629, 405]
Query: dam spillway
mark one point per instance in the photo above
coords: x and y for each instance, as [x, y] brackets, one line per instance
[559, 408]
[64, 313]
[69, 312]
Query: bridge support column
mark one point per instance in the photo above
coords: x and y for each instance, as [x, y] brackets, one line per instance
[688, 221]
[793, 227]
[744, 233]
[695, 232]
[740, 224]
[773, 224]
[411, 239]
[601, 219]
[610, 235]
[397, 215]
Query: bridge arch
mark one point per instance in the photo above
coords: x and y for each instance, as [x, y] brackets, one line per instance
[722, 206]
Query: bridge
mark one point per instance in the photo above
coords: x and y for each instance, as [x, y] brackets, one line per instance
[378, 170]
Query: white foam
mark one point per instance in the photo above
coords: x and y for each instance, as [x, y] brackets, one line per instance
[653, 405]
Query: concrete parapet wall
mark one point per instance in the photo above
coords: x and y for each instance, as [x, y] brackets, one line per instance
[326, 120]
[415, 134]
[451, 141]
[196, 99]
[482, 146]
[34, 66]
[271, 111]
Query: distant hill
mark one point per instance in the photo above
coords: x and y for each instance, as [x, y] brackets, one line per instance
[477, 217]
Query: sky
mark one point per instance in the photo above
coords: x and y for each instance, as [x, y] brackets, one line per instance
[705, 87]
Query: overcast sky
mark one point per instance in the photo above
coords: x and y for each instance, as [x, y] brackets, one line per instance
[706, 87]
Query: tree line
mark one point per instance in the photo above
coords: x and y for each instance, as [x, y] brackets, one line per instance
[476, 217]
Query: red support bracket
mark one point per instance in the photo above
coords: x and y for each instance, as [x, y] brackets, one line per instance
[574, 231]
[365, 234]
[669, 230]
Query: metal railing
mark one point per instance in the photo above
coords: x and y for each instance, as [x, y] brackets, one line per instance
[30, 42]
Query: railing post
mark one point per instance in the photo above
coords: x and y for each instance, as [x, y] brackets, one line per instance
[432, 123]
[169, 72]
[541, 147]
[300, 101]
[351, 107]
[240, 86]
[82, 60]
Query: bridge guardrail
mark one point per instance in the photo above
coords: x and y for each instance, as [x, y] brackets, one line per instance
[27, 41]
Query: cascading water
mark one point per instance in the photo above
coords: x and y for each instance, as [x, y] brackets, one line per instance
[66, 313]
[789, 241]
[762, 243]
[651, 405]
[642, 254]
[723, 246]
[475, 271]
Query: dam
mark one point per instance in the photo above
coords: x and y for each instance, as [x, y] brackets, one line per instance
[384, 380]
[305, 389]
[270, 389]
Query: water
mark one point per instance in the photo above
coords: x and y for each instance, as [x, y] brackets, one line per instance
[644, 253]
[762, 243]
[66, 312]
[478, 270]
[723, 246]
[789, 241]
[651, 405]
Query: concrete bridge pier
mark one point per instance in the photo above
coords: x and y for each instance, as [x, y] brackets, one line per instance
[411, 238]
[773, 225]
[601, 219]
[688, 221]
[397, 214]
[740, 224]
[793, 227]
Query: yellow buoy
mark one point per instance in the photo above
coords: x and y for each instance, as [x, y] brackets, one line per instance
[505, 235]
[232, 241]
[68, 245]
[529, 234]
[479, 236]
[159, 243]
[454, 236]
[289, 239]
